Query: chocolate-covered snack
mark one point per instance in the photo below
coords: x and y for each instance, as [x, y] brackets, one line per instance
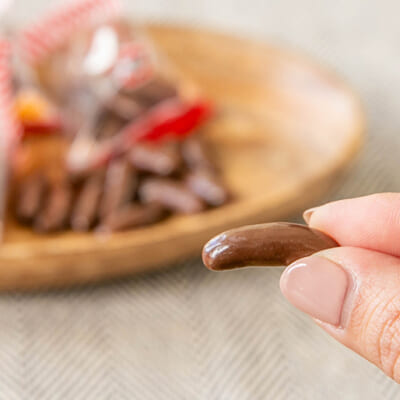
[126, 107]
[273, 244]
[196, 154]
[54, 213]
[171, 194]
[119, 187]
[50, 197]
[29, 197]
[132, 216]
[108, 125]
[85, 209]
[152, 92]
[207, 186]
[157, 158]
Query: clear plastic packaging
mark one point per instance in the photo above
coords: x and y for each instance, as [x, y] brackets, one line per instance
[108, 61]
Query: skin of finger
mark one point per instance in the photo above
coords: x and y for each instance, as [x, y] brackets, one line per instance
[371, 312]
[371, 222]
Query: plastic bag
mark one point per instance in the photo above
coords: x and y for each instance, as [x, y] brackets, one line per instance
[108, 63]
[9, 125]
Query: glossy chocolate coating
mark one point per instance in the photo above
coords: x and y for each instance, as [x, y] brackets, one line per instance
[207, 186]
[125, 106]
[157, 158]
[196, 153]
[108, 125]
[85, 209]
[119, 188]
[171, 194]
[132, 216]
[55, 211]
[152, 92]
[273, 244]
[29, 197]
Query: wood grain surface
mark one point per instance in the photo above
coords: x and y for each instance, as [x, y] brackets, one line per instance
[285, 131]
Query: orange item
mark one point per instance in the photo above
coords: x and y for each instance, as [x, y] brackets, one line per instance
[36, 114]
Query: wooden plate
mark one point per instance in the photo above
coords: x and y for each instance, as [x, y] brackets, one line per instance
[286, 129]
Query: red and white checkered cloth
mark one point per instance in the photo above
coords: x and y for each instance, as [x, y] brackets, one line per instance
[9, 126]
[56, 26]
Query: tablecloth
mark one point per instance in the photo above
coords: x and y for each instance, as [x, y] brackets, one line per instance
[186, 333]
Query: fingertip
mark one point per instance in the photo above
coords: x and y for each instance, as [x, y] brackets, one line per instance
[308, 214]
[371, 222]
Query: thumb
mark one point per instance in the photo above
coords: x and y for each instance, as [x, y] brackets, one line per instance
[354, 295]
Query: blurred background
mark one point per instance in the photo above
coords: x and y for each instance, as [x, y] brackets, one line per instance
[186, 333]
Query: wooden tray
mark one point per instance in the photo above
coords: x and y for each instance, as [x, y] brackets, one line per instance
[286, 129]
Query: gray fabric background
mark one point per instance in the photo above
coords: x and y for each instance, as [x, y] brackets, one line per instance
[190, 334]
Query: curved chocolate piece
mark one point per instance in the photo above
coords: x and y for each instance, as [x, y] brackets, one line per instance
[273, 244]
[85, 209]
[29, 197]
[108, 125]
[157, 158]
[152, 92]
[119, 188]
[124, 106]
[171, 194]
[132, 216]
[55, 211]
[196, 154]
[207, 186]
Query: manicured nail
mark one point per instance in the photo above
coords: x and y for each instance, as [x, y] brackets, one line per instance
[308, 213]
[316, 286]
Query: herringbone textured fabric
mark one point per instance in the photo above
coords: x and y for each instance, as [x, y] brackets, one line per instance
[187, 333]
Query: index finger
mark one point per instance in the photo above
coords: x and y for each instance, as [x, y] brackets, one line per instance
[371, 222]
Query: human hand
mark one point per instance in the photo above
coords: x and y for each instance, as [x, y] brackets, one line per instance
[353, 291]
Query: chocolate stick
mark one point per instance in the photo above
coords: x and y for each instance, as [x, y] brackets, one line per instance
[126, 107]
[29, 197]
[55, 211]
[153, 92]
[119, 188]
[196, 154]
[160, 159]
[171, 194]
[86, 204]
[207, 186]
[273, 244]
[108, 125]
[132, 216]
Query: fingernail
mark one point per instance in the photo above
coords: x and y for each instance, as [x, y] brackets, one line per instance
[308, 213]
[316, 286]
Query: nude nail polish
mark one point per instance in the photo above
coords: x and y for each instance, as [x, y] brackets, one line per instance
[316, 286]
[308, 213]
